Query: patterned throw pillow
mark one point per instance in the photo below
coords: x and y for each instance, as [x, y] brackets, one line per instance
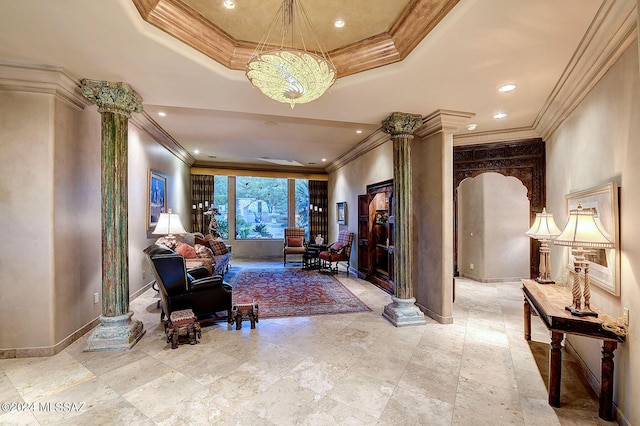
[294, 242]
[203, 252]
[187, 251]
[337, 247]
[218, 247]
[199, 239]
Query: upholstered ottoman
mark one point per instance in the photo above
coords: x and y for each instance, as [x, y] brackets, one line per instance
[183, 323]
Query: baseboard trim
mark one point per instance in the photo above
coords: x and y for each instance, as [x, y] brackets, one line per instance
[44, 351]
[491, 280]
[435, 316]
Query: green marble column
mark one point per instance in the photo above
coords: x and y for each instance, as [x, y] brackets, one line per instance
[115, 101]
[402, 311]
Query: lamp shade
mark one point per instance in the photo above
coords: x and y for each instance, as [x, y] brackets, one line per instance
[544, 227]
[169, 224]
[584, 229]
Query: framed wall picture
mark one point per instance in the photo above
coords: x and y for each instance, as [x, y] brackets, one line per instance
[604, 264]
[341, 213]
[157, 198]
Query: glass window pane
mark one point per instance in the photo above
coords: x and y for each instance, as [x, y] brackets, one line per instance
[221, 201]
[261, 207]
[302, 205]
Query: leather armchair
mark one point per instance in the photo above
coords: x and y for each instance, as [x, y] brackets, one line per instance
[179, 290]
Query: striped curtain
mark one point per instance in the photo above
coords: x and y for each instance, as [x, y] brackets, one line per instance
[319, 213]
[201, 198]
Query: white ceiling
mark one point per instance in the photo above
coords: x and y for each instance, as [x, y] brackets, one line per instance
[478, 46]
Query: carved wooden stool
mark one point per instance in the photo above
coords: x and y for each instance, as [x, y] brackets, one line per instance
[241, 310]
[182, 323]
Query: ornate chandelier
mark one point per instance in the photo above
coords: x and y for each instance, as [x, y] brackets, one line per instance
[289, 72]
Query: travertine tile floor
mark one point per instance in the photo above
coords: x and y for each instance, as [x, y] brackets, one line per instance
[348, 369]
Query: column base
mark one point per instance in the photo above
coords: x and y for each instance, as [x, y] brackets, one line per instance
[115, 333]
[403, 312]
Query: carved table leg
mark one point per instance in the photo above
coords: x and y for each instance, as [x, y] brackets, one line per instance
[191, 332]
[555, 368]
[252, 318]
[238, 320]
[606, 381]
[527, 320]
[174, 339]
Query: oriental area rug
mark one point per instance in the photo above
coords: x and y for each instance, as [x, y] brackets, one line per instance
[287, 292]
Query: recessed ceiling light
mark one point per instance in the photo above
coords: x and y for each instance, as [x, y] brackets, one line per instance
[506, 87]
[324, 159]
[472, 126]
[162, 114]
[499, 115]
[196, 151]
[358, 131]
[229, 4]
[339, 23]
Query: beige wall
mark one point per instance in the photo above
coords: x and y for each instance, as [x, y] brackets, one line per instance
[495, 209]
[351, 180]
[598, 143]
[50, 259]
[144, 154]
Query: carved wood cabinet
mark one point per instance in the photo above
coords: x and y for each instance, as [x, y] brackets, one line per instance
[375, 235]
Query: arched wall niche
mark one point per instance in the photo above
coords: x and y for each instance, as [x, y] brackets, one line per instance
[523, 159]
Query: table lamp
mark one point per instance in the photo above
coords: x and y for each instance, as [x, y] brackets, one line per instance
[544, 229]
[169, 224]
[583, 232]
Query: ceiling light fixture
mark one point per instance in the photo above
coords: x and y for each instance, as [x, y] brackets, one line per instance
[229, 4]
[506, 87]
[339, 23]
[196, 151]
[282, 67]
[471, 126]
[499, 115]
[162, 114]
[358, 131]
[324, 159]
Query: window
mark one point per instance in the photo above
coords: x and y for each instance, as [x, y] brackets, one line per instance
[261, 207]
[221, 201]
[302, 205]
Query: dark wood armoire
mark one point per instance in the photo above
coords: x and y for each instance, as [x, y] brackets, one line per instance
[375, 235]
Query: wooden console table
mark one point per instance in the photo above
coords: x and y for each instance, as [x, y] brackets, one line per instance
[549, 301]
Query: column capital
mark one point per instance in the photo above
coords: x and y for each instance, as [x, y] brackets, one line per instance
[118, 98]
[401, 124]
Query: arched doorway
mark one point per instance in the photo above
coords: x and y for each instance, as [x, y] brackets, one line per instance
[524, 160]
[493, 214]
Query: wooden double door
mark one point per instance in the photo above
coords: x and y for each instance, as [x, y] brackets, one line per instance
[375, 235]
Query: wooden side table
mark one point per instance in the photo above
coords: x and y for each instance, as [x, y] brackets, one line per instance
[182, 324]
[549, 301]
[244, 310]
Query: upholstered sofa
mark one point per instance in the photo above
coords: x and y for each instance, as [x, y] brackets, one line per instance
[200, 250]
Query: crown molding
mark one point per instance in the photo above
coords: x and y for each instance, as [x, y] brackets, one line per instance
[144, 122]
[253, 170]
[611, 32]
[369, 143]
[506, 135]
[185, 24]
[51, 80]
